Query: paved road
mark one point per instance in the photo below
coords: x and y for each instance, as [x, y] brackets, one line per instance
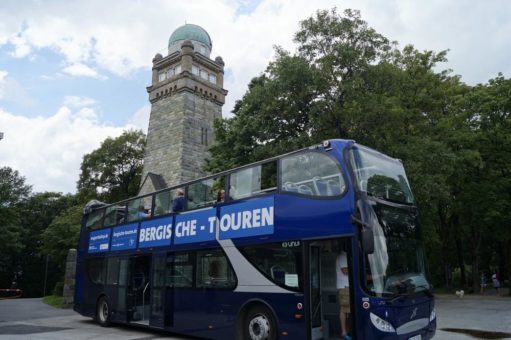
[31, 319]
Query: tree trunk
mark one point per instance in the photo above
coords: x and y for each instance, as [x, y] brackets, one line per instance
[461, 261]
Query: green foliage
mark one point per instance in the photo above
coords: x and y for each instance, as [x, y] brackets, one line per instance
[61, 235]
[348, 81]
[37, 213]
[113, 171]
[13, 192]
[56, 301]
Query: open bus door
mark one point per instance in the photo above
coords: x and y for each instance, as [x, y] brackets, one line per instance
[321, 288]
[139, 291]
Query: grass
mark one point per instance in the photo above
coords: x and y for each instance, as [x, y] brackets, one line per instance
[54, 301]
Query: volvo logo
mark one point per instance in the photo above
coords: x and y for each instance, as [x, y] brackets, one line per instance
[414, 313]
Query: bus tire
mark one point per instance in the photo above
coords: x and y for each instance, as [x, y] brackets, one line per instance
[103, 312]
[259, 324]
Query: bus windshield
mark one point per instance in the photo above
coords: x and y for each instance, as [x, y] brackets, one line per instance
[380, 176]
[397, 265]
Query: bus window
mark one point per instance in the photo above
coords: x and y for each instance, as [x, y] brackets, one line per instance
[96, 270]
[139, 208]
[280, 262]
[112, 276]
[180, 270]
[253, 181]
[163, 202]
[114, 215]
[94, 219]
[213, 270]
[313, 174]
[205, 192]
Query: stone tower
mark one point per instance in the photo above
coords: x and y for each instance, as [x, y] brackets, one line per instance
[186, 96]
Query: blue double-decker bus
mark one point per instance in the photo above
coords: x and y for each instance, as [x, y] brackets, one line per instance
[250, 253]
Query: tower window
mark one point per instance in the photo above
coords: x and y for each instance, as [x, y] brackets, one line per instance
[162, 76]
[212, 78]
[195, 70]
[204, 136]
[177, 69]
[204, 74]
[170, 73]
[202, 49]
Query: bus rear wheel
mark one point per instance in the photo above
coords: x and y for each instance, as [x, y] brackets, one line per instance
[259, 324]
[103, 312]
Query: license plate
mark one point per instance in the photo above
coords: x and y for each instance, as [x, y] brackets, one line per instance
[415, 337]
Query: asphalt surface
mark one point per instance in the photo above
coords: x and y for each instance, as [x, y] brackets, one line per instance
[473, 317]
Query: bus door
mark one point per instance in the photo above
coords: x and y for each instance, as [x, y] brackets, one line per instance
[322, 288]
[158, 290]
[315, 292]
[139, 289]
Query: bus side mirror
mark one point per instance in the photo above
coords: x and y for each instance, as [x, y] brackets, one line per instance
[367, 236]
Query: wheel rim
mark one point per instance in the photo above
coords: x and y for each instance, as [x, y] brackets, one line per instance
[103, 311]
[259, 328]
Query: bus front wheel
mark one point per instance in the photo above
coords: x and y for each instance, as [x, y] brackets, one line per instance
[259, 324]
[103, 312]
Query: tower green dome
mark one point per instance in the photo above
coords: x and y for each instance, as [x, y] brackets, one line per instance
[191, 32]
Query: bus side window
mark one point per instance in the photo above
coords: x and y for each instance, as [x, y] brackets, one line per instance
[94, 220]
[163, 202]
[180, 270]
[213, 270]
[312, 174]
[96, 269]
[253, 181]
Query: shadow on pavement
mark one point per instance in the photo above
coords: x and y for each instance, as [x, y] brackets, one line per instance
[28, 329]
[479, 334]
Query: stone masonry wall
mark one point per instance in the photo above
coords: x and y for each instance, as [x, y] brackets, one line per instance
[175, 143]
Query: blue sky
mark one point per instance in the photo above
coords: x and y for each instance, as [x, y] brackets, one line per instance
[74, 72]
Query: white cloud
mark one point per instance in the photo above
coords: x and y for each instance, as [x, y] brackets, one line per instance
[11, 90]
[48, 150]
[140, 119]
[78, 101]
[79, 69]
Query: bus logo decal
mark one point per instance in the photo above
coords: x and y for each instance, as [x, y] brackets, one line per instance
[155, 233]
[99, 241]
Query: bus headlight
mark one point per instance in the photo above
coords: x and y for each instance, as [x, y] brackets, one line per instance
[381, 324]
[432, 316]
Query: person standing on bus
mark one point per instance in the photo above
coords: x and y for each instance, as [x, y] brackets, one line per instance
[179, 201]
[343, 292]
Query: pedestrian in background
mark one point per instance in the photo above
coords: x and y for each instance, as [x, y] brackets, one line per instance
[496, 282]
[483, 282]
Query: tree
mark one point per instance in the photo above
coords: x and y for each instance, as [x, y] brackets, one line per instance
[36, 214]
[61, 235]
[113, 171]
[348, 81]
[13, 192]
